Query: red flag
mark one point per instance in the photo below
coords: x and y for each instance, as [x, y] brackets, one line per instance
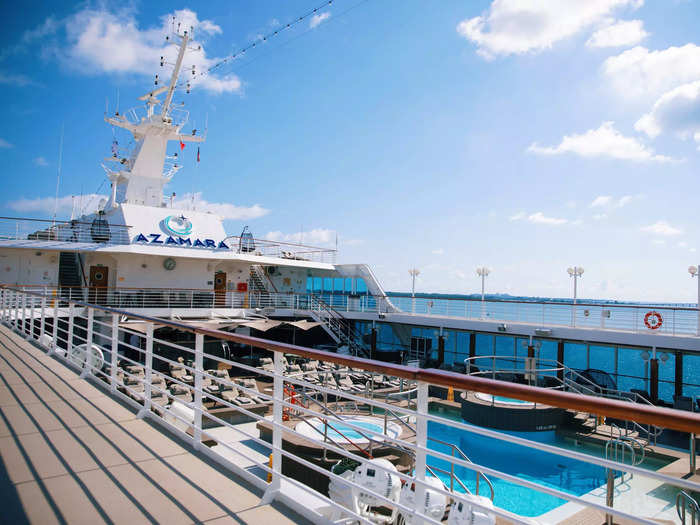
[197, 153]
[182, 145]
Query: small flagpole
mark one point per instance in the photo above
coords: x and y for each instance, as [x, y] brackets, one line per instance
[58, 175]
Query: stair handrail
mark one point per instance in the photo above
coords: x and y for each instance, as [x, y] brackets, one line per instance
[619, 446]
[258, 269]
[454, 448]
[685, 501]
[343, 328]
[637, 458]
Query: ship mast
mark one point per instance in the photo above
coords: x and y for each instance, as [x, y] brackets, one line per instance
[142, 176]
[176, 72]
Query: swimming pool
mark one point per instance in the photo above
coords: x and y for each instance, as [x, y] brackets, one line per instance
[341, 433]
[569, 475]
[502, 399]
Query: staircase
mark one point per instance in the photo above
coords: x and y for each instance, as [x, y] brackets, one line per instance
[336, 326]
[260, 284]
[70, 275]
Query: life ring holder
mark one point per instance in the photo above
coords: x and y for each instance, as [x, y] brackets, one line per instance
[653, 320]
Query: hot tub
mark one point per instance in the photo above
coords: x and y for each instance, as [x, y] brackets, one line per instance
[341, 433]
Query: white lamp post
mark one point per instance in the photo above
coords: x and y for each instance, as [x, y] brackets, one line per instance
[574, 272]
[413, 272]
[693, 271]
[482, 271]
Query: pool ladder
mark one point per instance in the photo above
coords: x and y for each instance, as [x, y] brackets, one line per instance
[455, 452]
[620, 449]
[687, 507]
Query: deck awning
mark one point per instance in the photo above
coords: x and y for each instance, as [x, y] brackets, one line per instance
[262, 324]
[304, 324]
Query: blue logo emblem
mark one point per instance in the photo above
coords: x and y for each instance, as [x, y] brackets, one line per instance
[178, 225]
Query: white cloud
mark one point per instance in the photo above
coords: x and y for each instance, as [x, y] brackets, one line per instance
[640, 72]
[600, 201]
[517, 26]
[439, 251]
[46, 28]
[622, 33]
[5, 145]
[318, 236]
[82, 204]
[18, 80]
[194, 201]
[517, 217]
[540, 218]
[662, 228]
[605, 141]
[607, 201]
[40, 161]
[677, 111]
[600, 216]
[682, 244]
[100, 41]
[658, 242]
[317, 19]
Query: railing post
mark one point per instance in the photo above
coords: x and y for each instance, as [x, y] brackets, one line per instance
[87, 365]
[198, 406]
[421, 445]
[692, 452]
[610, 493]
[23, 313]
[69, 337]
[148, 365]
[42, 322]
[5, 293]
[277, 427]
[30, 316]
[54, 334]
[15, 308]
[114, 354]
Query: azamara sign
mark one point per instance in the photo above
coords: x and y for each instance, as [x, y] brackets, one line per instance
[159, 238]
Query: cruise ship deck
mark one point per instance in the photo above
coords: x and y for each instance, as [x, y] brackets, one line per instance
[73, 454]
[145, 434]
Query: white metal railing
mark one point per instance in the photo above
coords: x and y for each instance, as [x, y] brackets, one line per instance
[619, 317]
[98, 231]
[74, 231]
[679, 321]
[135, 366]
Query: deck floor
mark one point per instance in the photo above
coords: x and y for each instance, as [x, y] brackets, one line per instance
[73, 454]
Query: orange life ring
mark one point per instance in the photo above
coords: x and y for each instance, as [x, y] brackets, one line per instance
[653, 320]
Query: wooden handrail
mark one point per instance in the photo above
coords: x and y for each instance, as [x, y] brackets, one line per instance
[652, 415]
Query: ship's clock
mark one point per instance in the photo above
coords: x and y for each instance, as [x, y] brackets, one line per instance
[169, 263]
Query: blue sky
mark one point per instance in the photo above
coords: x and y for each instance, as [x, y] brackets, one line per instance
[525, 136]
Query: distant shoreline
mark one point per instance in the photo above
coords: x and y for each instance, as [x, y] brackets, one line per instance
[508, 297]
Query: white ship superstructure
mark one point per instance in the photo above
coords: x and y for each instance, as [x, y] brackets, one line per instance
[137, 240]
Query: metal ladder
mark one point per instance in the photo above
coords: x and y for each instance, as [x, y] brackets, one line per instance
[687, 507]
[455, 451]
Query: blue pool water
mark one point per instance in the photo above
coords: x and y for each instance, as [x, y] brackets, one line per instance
[569, 475]
[503, 399]
[348, 432]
